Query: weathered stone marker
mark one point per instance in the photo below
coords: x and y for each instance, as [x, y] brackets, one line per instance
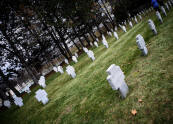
[85, 49]
[74, 59]
[116, 35]
[136, 20]
[71, 71]
[76, 55]
[66, 61]
[116, 80]
[163, 10]
[42, 81]
[7, 103]
[60, 69]
[159, 17]
[152, 26]
[166, 4]
[41, 96]
[96, 44]
[104, 41]
[109, 33]
[18, 101]
[91, 55]
[141, 44]
[55, 69]
[130, 23]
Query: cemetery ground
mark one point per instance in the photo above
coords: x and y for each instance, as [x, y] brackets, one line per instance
[89, 99]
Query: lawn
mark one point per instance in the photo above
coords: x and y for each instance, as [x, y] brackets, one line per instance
[88, 99]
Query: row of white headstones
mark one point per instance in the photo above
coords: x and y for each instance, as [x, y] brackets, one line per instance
[116, 77]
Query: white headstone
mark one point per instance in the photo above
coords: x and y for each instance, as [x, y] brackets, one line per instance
[163, 10]
[76, 55]
[91, 55]
[116, 28]
[131, 25]
[120, 26]
[116, 79]
[74, 59]
[152, 26]
[105, 43]
[125, 23]
[169, 3]
[140, 17]
[91, 43]
[18, 101]
[55, 69]
[60, 69]
[27, 89]
[136, 20]
[96, 44]
[116, 35]
[7, 103]
[71, 71]
[166, 4]
[85, 49]
[109, 33]
[42, 81]
[97, 39]
[159, 17]
[66, 61]
[141, 44]
[41, 96]
[124, 28]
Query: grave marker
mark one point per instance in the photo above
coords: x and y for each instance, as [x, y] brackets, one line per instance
[41, 96]
[163, 10]
[136, 20]
[109, 33]
[66, 61]
[152, 26]
[159, 17]
[74, 59]
[60, 69]
[141, 44]
[116, 79]
[71, 71]
[166, 4]
[116, 35]
[130, 23]
[18, 101]
[42, 81]
[7, 103]
[105, 43]
[91, 55]
[76, 55]
[96, 44]
[55, 69]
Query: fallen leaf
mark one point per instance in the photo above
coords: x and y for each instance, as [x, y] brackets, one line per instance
[140, 100]
[134, 112]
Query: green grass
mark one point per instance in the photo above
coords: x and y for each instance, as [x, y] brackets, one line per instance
[88, 99]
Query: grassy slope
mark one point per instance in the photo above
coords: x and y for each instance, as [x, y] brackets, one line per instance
[89, 98]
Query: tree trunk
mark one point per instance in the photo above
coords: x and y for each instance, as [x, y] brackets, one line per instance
[63, 41]
[106, 27]
[92, 36]
[78, 37]
[56, 42]
[76, 45]
[86, 40]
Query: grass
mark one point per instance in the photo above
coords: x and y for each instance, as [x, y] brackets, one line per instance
[88, 99]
